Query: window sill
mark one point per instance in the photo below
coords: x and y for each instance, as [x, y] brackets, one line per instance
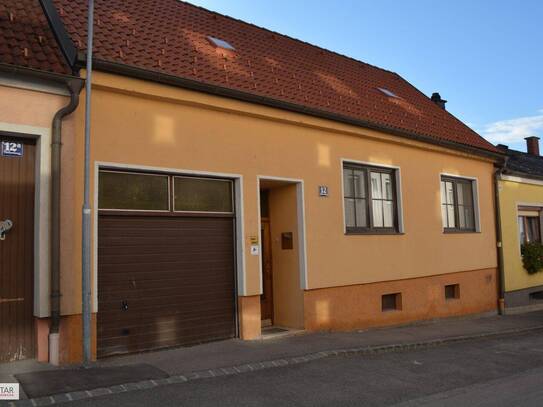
[373, 233]
[456, 232]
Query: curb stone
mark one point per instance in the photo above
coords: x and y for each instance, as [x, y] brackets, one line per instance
[265, 365]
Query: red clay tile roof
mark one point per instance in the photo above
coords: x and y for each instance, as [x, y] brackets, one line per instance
[27, 40]
[171, 37]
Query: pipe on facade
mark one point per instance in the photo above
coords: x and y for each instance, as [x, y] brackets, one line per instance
[74, 87]
[499, 243]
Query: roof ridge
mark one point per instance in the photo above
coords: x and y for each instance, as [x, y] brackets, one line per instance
[525, 153]
[287, 36]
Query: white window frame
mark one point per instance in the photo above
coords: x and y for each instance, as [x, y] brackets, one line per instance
[520, 204]
[475, 193]
[398, 190]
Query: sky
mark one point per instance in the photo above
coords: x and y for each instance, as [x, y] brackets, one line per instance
[484, 56]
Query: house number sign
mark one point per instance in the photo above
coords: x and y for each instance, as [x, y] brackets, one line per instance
[323, 190]
[12, 149]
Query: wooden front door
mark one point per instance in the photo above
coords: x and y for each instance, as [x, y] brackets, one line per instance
[266, 299]
[17, 178]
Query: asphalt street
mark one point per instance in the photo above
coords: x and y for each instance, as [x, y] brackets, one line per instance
[494, 372]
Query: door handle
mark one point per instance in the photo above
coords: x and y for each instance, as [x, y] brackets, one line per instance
[5, 226]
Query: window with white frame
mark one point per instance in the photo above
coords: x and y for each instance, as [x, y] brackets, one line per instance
[370, 199]
[529, 224]
[458, 204]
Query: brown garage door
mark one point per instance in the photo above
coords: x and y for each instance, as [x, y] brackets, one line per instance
[164, 279]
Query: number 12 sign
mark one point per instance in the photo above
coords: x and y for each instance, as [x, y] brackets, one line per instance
[11, 149]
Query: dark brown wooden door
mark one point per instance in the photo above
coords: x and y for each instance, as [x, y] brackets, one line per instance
[266, 299]
[17, 178]
[164, 281]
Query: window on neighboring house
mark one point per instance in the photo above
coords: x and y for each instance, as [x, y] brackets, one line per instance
[457, 204]
[370, 199]
[529, 226]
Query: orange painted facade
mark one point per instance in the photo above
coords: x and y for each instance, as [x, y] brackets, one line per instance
[359, 306]
[339, 283]
[249, 316]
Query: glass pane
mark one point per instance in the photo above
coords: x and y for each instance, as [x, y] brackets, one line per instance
[532, 232]
[450, 216]
[443, 196]
[361, 213]
[349, 213]
[360, 183]
[388, 214]
[444, 215]
[376, 186]
[464, 191]
[121, 190]
[449, 192]
[522, 234]
[468, 214]
[460, 193]
[202, 195]
[387, 185]
[348, 182]
[377, 213]
[462, 217]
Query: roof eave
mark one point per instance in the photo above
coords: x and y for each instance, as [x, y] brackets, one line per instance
[522, 174]
[39, 74]
[167, 79]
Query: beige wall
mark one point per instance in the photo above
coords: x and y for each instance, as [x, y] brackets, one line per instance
[144, 124]
[288, 300]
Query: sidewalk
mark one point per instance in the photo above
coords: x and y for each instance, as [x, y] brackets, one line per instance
[236, 356]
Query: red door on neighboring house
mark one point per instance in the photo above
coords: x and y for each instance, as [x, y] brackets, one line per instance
[17, 179]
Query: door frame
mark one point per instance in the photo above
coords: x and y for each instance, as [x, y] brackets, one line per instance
[42, 211]
[239, 232]
[300, 210]
[267, 222]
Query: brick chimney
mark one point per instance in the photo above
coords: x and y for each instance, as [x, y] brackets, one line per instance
[532, 145]
[436, 98]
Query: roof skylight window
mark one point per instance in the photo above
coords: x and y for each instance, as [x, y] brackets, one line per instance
[220, 43]
[388, 92]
